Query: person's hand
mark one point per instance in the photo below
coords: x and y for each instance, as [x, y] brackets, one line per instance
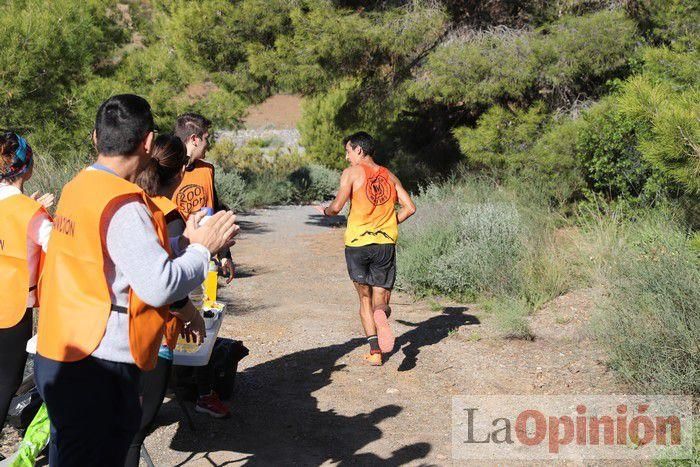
[46, 199]
[228, 269]
[216, 234]
[195, 331]
[320, 208]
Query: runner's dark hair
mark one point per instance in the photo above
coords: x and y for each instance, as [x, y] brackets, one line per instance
[363, 140]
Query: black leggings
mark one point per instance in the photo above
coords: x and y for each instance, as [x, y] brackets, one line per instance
[153, 386]
[13, 356]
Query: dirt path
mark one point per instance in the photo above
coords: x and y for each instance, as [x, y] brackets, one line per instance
[304, 395]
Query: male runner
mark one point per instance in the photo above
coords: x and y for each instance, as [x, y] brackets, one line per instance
[370, 237]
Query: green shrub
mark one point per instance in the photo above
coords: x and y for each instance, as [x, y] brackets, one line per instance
[511, 317]
[649, 319]
[671, 140]
[268, 189]
[314, 183]
[46, 49]
[348, 107]
[668, 21]
[551, 167]
[500, 136]
[612, 162]
[231, 189]
[479, 70]
[471, 240]
[205, 33]
[577, 54]
[310, 59]
[559, 62]
[486, 255]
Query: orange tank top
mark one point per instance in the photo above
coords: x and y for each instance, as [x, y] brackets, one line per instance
[16, 213]
[196, 190]
[75, 295]
[372, 217]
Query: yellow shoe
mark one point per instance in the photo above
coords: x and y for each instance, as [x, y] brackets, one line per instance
[374, 359]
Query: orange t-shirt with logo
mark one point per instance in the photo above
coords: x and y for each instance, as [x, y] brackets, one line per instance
[196, 190]
[372, 217]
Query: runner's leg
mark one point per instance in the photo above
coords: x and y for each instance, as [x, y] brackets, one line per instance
[364, 293]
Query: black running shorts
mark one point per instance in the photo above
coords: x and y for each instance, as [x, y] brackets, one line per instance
[372, 264]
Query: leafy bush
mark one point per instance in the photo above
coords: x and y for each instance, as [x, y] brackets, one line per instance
[479, 70]
[231, 189]
[46, 49]
[486, 254]
[315, 182]
[500, 135]
[469, 240]
[650, 318]
[511, 317]
[572, 56]
[346, 108]
[671, 140]
[576, 55]
[551, 167]
[608, 148]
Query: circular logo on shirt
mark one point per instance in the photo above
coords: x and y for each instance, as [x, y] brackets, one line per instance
[378, 190]
[190, 198]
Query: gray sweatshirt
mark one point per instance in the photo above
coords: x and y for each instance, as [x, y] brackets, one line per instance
[134, 259]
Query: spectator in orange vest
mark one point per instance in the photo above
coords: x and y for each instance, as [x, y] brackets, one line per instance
[107, 283]
[24, 234]
[197, 189]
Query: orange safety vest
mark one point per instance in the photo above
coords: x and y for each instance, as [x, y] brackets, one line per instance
[372, 217]
[74, 290]
[165, 205]
[173, 325]
[196, 190]
[16, 213]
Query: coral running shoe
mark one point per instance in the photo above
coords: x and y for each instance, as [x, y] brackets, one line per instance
[212, 405]
[384, 334]
[374, 359]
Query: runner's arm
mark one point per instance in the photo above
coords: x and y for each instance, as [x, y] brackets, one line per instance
[346, 180]
[407, 208]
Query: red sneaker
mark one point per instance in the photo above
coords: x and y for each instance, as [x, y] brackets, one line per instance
[212, 405]
[384, 334]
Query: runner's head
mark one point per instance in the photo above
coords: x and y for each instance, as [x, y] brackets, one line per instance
[124, 127]
[165, 168]
[193, 130]
[358, 146]
[16, 158]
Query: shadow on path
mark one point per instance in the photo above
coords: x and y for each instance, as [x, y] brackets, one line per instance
[429, 332]
[326, 221]
[277, 420]
[250, 227]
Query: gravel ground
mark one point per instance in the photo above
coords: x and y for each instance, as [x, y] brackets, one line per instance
[305, 396]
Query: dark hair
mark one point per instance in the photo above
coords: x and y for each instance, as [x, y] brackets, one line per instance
[16, 156]
[169, 157]
[363, 140]
[189, 124]
[122, 122]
